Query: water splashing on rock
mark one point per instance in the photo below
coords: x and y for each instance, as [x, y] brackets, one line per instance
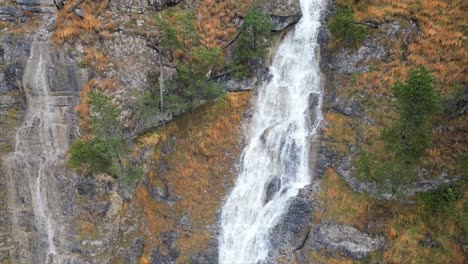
[275, 163]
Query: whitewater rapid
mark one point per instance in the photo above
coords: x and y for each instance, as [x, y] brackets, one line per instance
[275, 162]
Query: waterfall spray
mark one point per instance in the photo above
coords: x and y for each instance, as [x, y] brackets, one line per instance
[275, 162]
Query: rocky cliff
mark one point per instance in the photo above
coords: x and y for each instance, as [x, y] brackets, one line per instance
[187, 162]
[170, 214]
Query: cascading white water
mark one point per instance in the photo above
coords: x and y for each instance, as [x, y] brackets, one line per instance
[38, 158]
[275, 162]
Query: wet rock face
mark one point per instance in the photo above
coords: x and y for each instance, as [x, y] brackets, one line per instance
[14, 53]
[21, 236]
[345, 239]
[283, 12]
[293, 230]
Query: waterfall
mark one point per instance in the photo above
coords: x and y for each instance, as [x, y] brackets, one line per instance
[275, 162]
[38, 157]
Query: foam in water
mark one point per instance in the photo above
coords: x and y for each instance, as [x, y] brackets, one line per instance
[275, 162]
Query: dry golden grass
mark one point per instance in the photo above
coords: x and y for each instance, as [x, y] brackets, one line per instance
[30, 27]
[440, 45]
[404, 225]
[216, 22]
[323, 257]
[206, 146]
[97, 60]
[340, 132]
[155, 215]
[149, 140]
[408, 228]
[68, 26]
[340, 203]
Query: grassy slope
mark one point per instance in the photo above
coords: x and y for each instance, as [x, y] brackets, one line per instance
[441, 47]
[198, 174]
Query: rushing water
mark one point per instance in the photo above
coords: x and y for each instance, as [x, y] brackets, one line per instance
[41, 144]
[275, 162]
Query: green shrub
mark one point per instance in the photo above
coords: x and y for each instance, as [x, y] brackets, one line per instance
[90, 156]
[103, 151]
[416, 102]
[104, 115]
[192, 83]
[408, 139]
[206, 60]
[180, 34]
[133, 174]
[443, 199]
[344, 28]
[189, 88]
[253, 41]
[364, 166]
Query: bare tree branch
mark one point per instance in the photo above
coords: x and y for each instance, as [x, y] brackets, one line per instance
[231, 41]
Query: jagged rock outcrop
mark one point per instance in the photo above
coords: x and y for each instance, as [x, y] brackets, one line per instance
[345, 239]
[293, 230]
[283, 13]
[37, 6]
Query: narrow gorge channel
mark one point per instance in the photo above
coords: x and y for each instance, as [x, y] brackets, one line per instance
[275, 164]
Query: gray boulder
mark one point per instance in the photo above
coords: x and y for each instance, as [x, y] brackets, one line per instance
[283, 13]
[344, 238]
[37, 6]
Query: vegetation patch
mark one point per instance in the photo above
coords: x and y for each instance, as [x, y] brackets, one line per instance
[205, 147]
[69, 27]
[430, 228]
[254, 39]
[408, 139]
[442, 143]
[340, 133]
[345, 31]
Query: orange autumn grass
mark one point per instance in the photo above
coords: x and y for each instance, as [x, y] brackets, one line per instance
[205, 145]
[69, 26]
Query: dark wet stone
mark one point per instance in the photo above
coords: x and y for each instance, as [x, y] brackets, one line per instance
[86, 187]
[345, 239]
[273, 187]
[428, 241]
[313, 103]
[282, 22]
[291, 232]
[8, 14]
[134, 252]
[28, 2]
